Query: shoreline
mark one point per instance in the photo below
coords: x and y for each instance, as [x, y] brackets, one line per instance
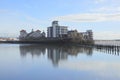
[48, 42]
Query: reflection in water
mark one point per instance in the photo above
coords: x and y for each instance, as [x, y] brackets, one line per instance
[54, 52]
[114, 50]
[59, 62]
[57, 53]
[32, 49]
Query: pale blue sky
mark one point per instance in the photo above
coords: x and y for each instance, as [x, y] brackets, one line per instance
[102, 16]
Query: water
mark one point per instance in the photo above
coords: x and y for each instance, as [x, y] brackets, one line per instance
[57, 62]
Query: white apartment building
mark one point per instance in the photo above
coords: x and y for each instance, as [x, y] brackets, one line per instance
[56, 31]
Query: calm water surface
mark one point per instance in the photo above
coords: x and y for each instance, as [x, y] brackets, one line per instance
[58, 62]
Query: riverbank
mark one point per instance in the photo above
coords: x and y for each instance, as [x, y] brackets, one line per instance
[53, 42]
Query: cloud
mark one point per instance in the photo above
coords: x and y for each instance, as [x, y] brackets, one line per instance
[4, 11]
[12, 22]
[109, 34]
[100, 1]
[107, 9]
[89, 17]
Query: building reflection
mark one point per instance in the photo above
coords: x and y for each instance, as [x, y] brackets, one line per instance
[55, 53]
[34, 50]
[61, 53]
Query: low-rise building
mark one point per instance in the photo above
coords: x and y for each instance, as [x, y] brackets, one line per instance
[23, 34]
[32, 35]
[35, 34]
[57, 32]
[75, 36]
[88, 35]
[80, 36]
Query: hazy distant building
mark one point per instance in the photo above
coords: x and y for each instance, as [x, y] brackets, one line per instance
[88, 35]
[33, 34]
[23, 34]
[80, 36]
[56, 31]
[43, 34]
[74, 34]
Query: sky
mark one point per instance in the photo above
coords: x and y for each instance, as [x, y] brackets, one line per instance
[102, 16]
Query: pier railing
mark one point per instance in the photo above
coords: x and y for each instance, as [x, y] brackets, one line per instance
[108, 46]
[107, 42]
